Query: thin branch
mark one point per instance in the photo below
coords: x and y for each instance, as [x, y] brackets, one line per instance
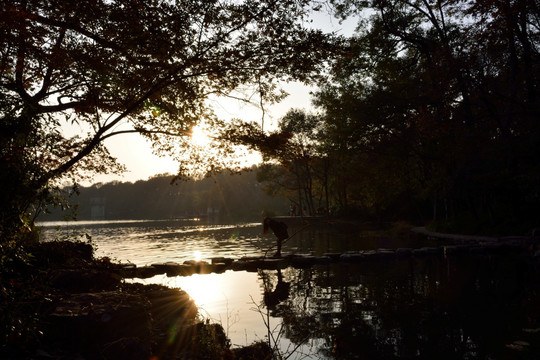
[146, 131]
[47, 78]
[221, 93]
[261, 97]
[74, 27]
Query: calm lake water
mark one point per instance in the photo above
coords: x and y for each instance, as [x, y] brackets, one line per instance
[461, 307]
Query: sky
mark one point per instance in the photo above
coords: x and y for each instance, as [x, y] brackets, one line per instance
[135, 152]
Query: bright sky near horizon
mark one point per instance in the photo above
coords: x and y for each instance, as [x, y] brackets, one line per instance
[135, 153]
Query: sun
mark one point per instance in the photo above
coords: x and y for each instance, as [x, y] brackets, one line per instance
[199, 136]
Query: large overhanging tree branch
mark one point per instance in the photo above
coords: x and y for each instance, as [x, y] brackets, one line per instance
[145, 65]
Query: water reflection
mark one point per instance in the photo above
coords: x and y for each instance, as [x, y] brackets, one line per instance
[459, 308]
[455, 308]
[226, 299]
[466, 307]
[274, 295]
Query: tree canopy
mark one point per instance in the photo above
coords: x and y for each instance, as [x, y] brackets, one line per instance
[433, 113]
[115, 67]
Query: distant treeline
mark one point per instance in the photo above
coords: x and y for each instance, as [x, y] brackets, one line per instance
[236, 197]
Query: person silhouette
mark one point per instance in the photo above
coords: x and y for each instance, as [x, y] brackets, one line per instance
[279, 229]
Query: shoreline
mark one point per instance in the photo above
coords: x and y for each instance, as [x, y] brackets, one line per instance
[61, 302]
[473, 238]
[69, 296]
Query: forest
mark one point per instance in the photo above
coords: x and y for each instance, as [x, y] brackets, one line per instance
[432, 116]
[220, 197]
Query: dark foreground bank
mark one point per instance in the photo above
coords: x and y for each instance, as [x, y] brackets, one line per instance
[59, 302]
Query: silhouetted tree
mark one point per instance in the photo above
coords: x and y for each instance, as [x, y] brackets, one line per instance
[435, 103]
[116, 67]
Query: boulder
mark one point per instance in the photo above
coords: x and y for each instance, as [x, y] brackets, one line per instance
[145, 272]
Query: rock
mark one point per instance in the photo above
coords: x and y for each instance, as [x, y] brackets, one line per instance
[352, 257]
[187, 270]
[128, 271]
[252, 265]
[369, 254]
[80, 280]
[404, 252]
[199, 267]
[87, 322]
[334, 256]
[172, 268]
[127, 266]
[147, 272]
[221, 260]
[166, 265]
[219, 267]
[386, 253]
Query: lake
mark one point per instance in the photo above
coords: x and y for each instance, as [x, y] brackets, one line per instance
[455, 307]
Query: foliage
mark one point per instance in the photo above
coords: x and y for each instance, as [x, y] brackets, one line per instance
[157, 199]
[295, 146]
[432, 113]
[114, 67]
[440, 98]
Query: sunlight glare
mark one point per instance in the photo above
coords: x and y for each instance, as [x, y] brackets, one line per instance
[198, 255]
[199, 136]
[205, 290]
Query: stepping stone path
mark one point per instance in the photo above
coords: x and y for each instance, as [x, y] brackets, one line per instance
[462, 245]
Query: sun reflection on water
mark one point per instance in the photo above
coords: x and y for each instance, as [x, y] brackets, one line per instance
[223, 299]
[205, 290]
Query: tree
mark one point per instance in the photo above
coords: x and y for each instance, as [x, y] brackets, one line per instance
[297, 169]
[301, 156]
[435, 102]
[125, 66]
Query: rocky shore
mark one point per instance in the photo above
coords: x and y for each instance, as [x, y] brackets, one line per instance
[59, 302]
[451, 245]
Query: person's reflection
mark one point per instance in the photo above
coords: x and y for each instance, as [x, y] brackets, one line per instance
[280, 293]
